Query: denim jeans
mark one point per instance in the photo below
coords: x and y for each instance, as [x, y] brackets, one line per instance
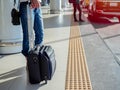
[38, 26]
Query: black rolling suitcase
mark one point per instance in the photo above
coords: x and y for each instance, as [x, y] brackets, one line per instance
[33, 67]
[41, 64]
[47, 62]
[33, 55]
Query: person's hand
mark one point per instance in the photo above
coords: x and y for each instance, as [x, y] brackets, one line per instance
[35, 4]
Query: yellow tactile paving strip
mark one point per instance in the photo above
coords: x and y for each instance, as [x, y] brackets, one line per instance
[77, 77]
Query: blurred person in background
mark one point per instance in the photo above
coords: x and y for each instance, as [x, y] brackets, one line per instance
[76, 6]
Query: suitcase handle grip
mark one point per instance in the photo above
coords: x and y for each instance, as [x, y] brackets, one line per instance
[37, 49]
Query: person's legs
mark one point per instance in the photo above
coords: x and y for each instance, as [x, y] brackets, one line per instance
[38, 26]
[80, 11]
[74, 12]
[23, 15]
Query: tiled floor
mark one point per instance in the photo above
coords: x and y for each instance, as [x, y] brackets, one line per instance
[13, 74]
[103, 68]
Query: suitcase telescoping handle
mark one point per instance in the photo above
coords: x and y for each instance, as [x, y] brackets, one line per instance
[30, 26]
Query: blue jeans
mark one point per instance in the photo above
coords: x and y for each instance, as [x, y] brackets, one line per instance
[38, 26]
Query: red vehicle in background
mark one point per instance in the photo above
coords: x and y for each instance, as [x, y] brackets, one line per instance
[103, 8]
